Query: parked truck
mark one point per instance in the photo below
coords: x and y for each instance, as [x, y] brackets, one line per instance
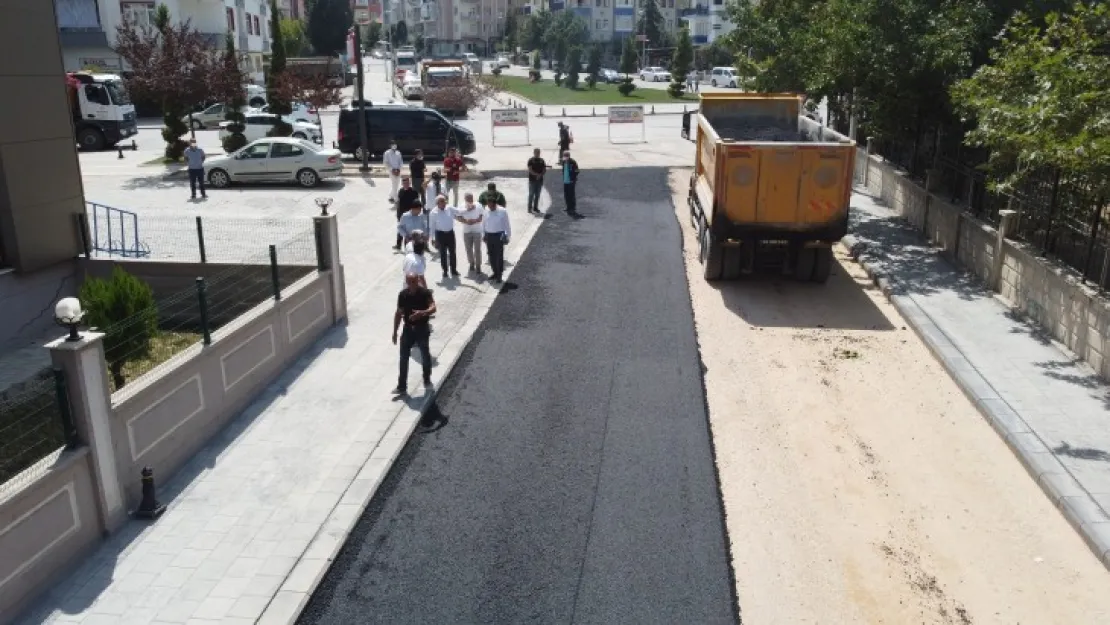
[770, 188]
[446, 87]
[103, 114]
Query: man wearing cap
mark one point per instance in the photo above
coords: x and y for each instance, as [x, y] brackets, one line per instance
[407, 197]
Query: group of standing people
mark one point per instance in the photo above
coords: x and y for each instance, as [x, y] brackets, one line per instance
[485, 221]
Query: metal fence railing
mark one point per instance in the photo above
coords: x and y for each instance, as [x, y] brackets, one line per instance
[34, 421]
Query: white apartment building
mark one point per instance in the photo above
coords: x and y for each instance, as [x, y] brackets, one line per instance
[617, 19]
[87, 28]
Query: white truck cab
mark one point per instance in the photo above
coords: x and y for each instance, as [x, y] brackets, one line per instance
[103, 114]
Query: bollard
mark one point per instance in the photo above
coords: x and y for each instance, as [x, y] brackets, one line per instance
[202, 307]
[541, 111]
[564, 111]
[683, 109]
[274, 273]
[134, 146]
[200, 241]
[119, 149]
[149, 507]
[653, 109]
[593, 112]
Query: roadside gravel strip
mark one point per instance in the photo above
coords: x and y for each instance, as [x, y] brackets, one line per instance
[859, 483]
[569, 476]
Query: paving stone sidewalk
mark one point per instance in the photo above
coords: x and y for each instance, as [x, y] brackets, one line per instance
[255, 519]
[1051, 408]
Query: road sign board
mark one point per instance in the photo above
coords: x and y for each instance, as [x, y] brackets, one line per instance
[509, 117]
[362, 17]
[626, 114]
[641, 38]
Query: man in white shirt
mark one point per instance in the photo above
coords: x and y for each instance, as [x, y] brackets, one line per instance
[435, 188]
[496, 224]
[442, 222]
[393, 161]
[471, 217]
[414, 263]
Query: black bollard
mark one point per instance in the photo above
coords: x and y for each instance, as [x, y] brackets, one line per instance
[119, 148]
[134, 146]
[149, 508]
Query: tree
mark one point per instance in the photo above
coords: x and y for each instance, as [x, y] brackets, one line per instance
[400, 34]
[279, 105]
[628, 66]
[511, 27]
[680, 63]
[170, 64]
[534, 73]
[227, 86]
[328, 24]
[314, 87]
[651, 23]
[593, 66]
[574, 64]
[293, 35]
[123, 308]
[565, 31]
[1043, 102]
[373, 34]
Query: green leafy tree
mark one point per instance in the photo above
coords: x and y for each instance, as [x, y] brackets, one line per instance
[294, 37]
[511, 34]
[534, 73]
[229, 89]
[574, 65]
[275, 93]
[628, 67]
[593, 66]
[680, 63]
[651, 24]
[400, 34]
[1043, 102]
[565, 31]
[328, 24]
[373, 34]
[122, 307]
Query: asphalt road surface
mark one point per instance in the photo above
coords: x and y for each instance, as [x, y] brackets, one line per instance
[568, 473]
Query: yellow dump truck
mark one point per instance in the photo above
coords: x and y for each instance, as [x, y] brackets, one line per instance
[769, 188]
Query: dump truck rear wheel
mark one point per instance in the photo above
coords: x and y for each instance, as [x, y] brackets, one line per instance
[822, 265]
[803, 267]
[733, 261]
[712, 257]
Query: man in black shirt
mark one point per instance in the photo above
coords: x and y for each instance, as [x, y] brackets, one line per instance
[407, 197]
[536, 168]
[417, 168]
[415, 305]
[564, 138]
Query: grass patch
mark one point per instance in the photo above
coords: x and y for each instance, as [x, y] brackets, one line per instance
[547, 92]
[161, 160]
[163, 346]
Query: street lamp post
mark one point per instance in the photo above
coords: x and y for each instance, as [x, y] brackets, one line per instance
[360, 76]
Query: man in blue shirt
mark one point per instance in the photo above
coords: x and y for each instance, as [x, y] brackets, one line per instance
[194, 159]
[570, 179]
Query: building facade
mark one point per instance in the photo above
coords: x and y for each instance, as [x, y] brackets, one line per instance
[87, 28]
[618, 19]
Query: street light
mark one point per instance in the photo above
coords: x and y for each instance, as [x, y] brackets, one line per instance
[68, 314]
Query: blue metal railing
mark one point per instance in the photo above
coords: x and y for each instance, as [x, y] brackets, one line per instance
[115, 231]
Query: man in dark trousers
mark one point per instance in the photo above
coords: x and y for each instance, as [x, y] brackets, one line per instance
[570, 179]
[565, 138]
[536, 168]
[492, 194]
[415, 306]
[407, 197]
[417, 167]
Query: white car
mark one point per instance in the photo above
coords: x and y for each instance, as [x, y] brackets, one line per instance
[411, 87]
[259, 124]
[655, 74]
[722, 77]
[274, 159]
[301, 112]
[502, 62]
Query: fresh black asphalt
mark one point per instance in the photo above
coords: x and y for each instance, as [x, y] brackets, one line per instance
[568, 475]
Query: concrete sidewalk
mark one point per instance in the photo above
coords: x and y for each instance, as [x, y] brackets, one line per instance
[1050, 407]
[255, 519]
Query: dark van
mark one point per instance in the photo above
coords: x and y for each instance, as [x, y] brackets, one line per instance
[411, 127]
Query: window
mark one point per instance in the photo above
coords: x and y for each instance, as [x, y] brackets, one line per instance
[96, 94]
[257, 29]
[215, 109]
[138, 13]
[230, 20]
[286, 150]
[258, 150]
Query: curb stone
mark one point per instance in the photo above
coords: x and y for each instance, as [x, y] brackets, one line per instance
[1067, 494]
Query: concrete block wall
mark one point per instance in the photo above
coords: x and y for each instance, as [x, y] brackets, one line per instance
[1048, 293]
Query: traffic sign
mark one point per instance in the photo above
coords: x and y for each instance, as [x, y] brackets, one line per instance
[362, 17]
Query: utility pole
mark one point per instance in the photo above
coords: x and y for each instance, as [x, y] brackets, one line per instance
[365, 166]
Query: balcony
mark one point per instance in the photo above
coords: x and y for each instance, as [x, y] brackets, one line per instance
[76, 37]
[691, 12]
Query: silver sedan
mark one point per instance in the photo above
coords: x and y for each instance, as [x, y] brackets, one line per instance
[274, 159]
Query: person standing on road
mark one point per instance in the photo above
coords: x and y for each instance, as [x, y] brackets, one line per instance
[690, 82]
[417, 167]
[408, 199]
[414, 262]
[570, 180]
[453, 166]
[497, 230]
[471, 218]
[393, 161]
[491, 193]
[415, 306]
[194, 158]
[536, 169]
[565, 138]
[435, 188]
[442, 222]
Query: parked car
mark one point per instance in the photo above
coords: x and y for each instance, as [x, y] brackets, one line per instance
[413, 128]
[722, 77]
[502, 62]
[655, 74]
[411, 87]
[259, 124]
[210, 117]
[256, 95]
[609, 76]
[301, 112]
[274, 159]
